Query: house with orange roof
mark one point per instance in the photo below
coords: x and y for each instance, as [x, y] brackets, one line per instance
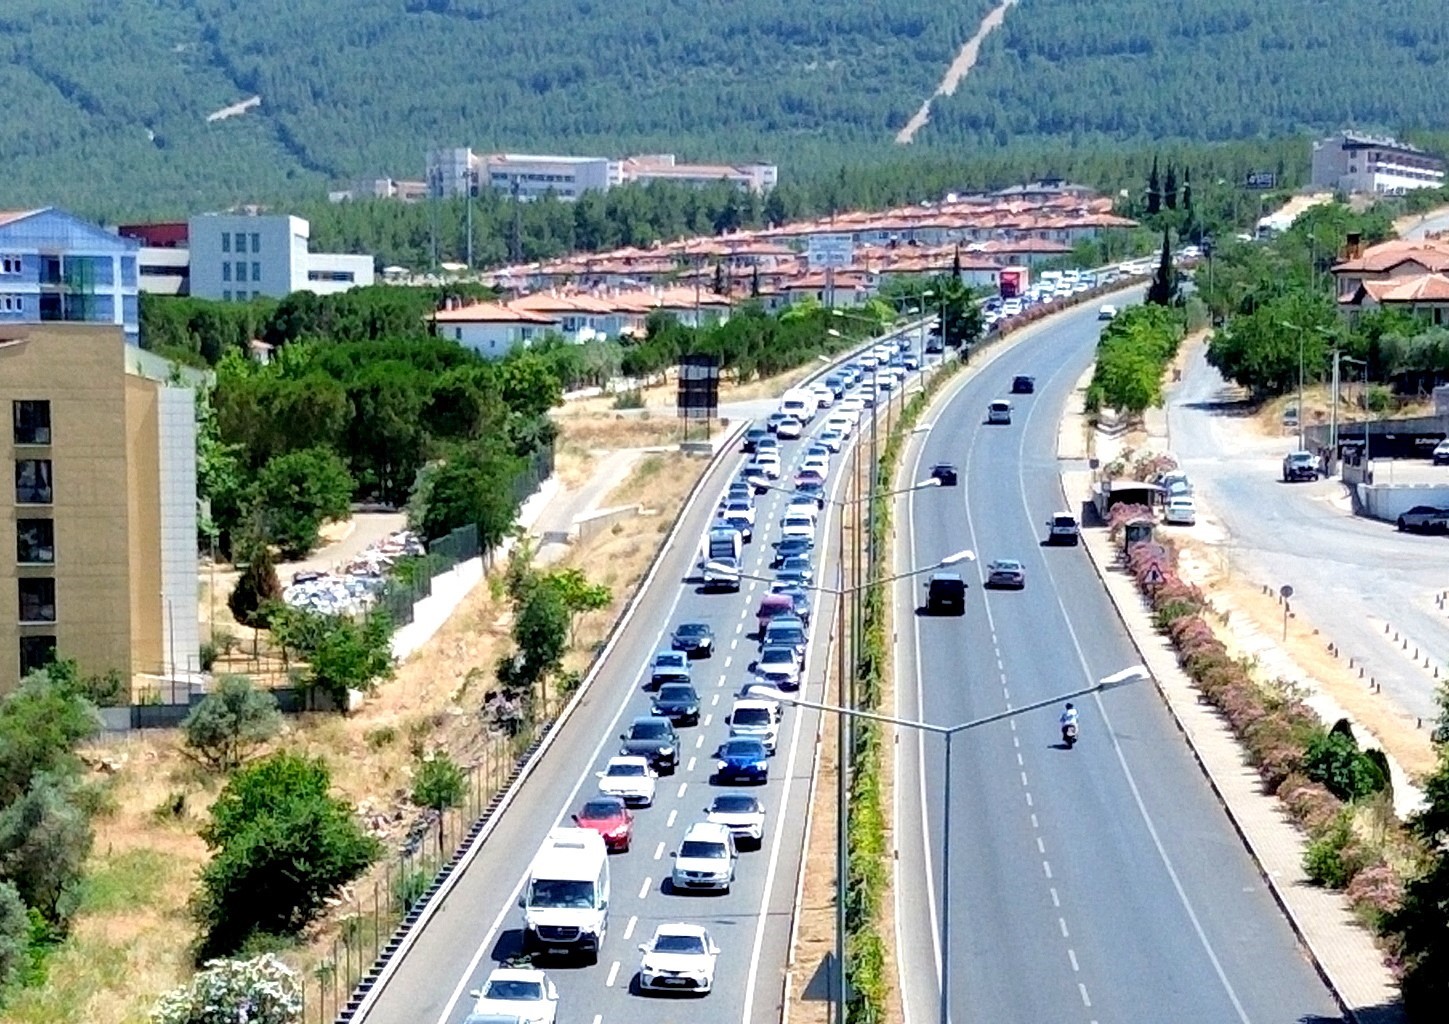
[492, 329]
[1424, 295]
[1398, 259]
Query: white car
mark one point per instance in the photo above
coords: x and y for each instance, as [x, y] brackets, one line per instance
[522, 993]
[789, 429]
[849, 407]
[739, 507]
[767, 465]
[742, 814]
[1179, 511]
[797, 526]
[630, 779]
[843, 422]
[705, 859]
[1106, 312]
[679, 958]
[756, 718]
[832, 439]
[824, 397]
[815, 464]
[802, 507]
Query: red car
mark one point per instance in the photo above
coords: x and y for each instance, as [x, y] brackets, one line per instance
[808, 477]
[608, 816]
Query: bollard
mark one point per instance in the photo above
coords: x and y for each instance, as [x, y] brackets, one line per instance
[1416, 654]
[1386, 627]
[1360, 671]
[1350, 661]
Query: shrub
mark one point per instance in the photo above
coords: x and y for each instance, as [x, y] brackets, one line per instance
[262, 990]
[1335, 760]
[45, 837]
[1324, 861]
[230, 722]
[1377, 893]
[256, 591]
[40, 725]
[14, 935]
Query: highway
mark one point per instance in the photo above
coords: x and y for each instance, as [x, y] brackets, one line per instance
[479, 925]
[1103, 883]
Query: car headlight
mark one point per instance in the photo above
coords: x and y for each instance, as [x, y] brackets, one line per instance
[760, 765]
[721, 765]
[664, 750]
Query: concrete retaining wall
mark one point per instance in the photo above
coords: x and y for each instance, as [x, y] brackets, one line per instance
[1389, 501]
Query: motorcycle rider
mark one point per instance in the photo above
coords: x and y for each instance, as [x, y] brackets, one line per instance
[1069, 719]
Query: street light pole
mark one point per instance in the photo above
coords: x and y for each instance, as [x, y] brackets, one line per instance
[947, 732]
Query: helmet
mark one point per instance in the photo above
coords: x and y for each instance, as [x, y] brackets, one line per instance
[1069, 705]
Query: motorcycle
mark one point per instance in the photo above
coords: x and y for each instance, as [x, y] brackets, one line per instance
[1069, 735]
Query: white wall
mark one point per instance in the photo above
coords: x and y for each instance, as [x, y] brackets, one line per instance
[180, 589]
[270, 245]
[1389, 501]
[338, 272]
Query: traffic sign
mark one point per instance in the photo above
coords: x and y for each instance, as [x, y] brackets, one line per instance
[1285, 591]
[1262, 180]
[831, 251]
[1153, 576]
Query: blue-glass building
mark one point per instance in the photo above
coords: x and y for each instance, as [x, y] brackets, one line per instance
[55, 267]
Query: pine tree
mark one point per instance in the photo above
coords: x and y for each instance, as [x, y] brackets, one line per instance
[755, 282]
[257, 587]
[1154, 191]
[1163, 290]
[1169, 189]
[956, 264]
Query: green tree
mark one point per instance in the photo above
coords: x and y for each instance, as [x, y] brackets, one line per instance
[1163, 290]
[475, 484]
[579, 596]
[1420, 920]
[541, 633]
[257, 590]
[14, 936]
[40, 725]
[297, 492]
[230, 723]
[439, 784]
[282, 845]
[351, 655]
[45, 838]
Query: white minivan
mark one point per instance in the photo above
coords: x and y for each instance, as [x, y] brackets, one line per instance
[565, 902]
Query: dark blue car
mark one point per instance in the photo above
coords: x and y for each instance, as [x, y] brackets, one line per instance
[742, 759]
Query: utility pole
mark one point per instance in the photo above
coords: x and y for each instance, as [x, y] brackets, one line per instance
[472, 190]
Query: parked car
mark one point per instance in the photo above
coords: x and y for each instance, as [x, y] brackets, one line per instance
[1424, 519]
[695, 639]
[944, 472]
[1023, 385]
[1300, 466]
[1179, 511]
[653, 738]
[742, 759]
[1441, 454]
[1006, 572]
[610, 817]
[1106, 312]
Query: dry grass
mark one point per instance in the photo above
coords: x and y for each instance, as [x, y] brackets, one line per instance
[661, 396]
[613, 430]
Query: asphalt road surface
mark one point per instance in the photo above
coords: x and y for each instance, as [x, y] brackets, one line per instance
[1103, 883]
[1349, 574]
[479, 926]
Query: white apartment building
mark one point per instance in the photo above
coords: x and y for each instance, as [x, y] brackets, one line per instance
[1355, 163]
[453, 172]
[238, 256]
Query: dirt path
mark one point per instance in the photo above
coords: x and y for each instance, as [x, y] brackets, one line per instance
[964, 62]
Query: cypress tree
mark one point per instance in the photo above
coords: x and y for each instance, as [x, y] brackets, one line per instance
[1163, 289]
[1169, 189]
[1154, 191]
[1187, 188]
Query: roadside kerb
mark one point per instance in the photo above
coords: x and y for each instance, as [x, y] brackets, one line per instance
[1342, 952]
[376, 979]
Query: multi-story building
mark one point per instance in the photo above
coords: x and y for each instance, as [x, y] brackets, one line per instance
[239, 256]
[459, 171]
[58, 268]
[1352, 162]
[98, 512]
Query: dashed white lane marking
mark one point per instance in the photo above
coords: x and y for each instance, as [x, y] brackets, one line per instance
[722, 678]
[629, 928]
[598, 1018]
[1072, 956]
[1006, 693]
[1016, 742]
[709, 718]
[1040, 846]
[668, 824]
[613, 975]
[1046, 866]
[1023, 778]
[714, 702]
[644, 889]
[1034, 822]
[1028, 799]
[659, 850]
[1063, 922]
[699, 740]
[734, 644]
[1013, 725]
[1083, 989]
[1019, 761]
[691, 765]
[1056, 900]
[682, 787]
[739, 628]
[728, 658]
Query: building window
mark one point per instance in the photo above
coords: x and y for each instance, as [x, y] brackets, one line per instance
[256, 242]
[35, 542]
[256, 269]
[37, 599]
[33, 482]
[241, 241]
[225, 270]
[241, 270]
[226, 295]
[225, 242]
[10, 264]
[36, 652]
[32, 422]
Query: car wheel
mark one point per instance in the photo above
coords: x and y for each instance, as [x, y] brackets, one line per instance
[1403, 526]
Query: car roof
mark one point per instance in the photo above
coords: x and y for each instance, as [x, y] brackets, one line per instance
[707, 830]
[680, 928]
[947, 577]
[1008, 562]
[523, 973]
[649, 720]
[780, 600]
[633, 759]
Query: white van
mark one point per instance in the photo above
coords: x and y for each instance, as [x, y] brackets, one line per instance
[565, 902]
[722, 542]
[800, 403]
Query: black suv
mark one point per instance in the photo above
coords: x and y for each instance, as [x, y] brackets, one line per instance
[946, 594]
[1023, 385]
[678, 702]
[753, 436]
[944, 472]
[654, 738]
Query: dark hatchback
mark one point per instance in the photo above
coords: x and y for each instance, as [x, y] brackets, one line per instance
[753, 436]
[695, 639]
[790, 547]
[944, 472]
[1023, 385]
[678, 702]
[654, 738]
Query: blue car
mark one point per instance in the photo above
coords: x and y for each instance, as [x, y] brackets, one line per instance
[742, 759]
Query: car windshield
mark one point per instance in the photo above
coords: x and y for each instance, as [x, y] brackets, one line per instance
[735, 805]
[679, 944]
[744, 748]
[787, 635]
[602, 810]
[798, 521]
[777, 656]
[561, 893]
[649, 731]
[695, 848]
[676, 691]
[693, 629]
[1008, 566]
[797, 562]
[750, 716]
[513, 989]
[669, 660]
[625, 770]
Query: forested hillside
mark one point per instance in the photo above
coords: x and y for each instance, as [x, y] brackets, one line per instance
[115, 109]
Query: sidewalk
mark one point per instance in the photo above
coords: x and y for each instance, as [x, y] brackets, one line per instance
[1342, 951]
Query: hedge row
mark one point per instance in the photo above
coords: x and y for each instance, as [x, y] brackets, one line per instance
[1320, 775]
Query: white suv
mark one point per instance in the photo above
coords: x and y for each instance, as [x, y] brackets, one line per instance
[705, 858]
[755, 718]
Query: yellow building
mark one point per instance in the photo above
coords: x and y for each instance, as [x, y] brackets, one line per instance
[99, 558]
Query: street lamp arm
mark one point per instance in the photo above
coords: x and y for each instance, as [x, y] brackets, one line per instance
[760, 484]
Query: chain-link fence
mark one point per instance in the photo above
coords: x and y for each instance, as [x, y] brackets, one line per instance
[398, 888]
[411, 578]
